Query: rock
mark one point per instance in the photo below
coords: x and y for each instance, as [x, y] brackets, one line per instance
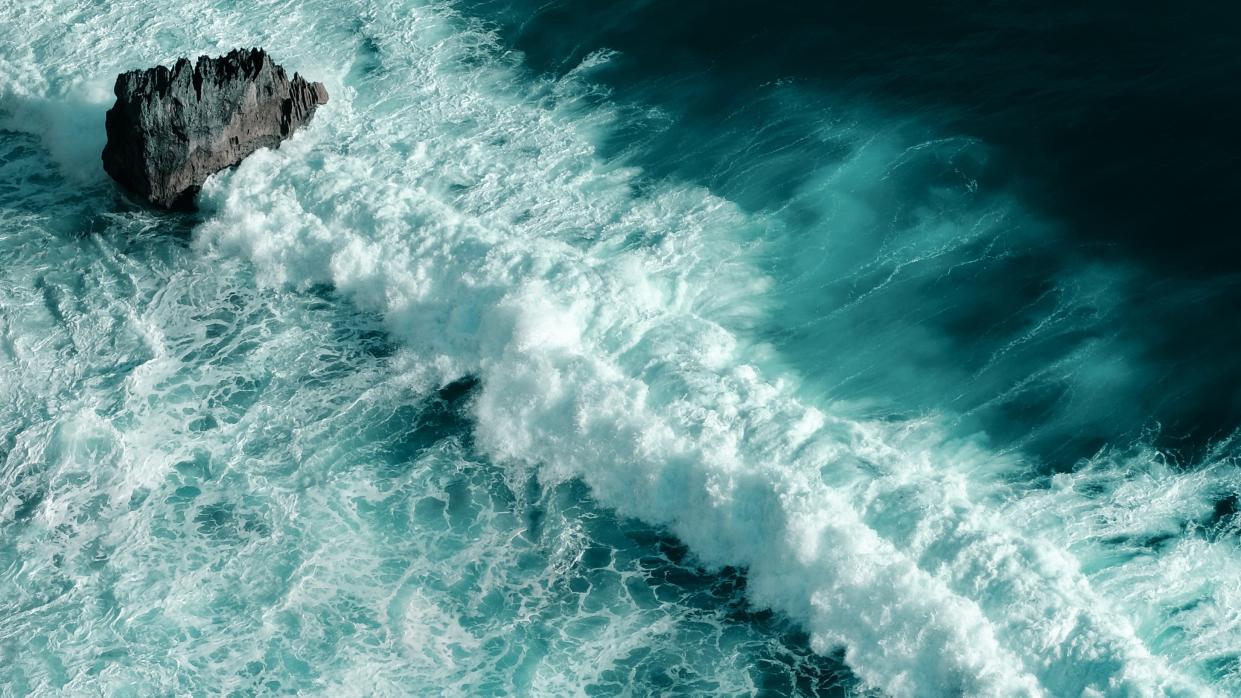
[171, 129]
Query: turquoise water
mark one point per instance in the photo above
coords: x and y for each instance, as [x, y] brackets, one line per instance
[480, 386]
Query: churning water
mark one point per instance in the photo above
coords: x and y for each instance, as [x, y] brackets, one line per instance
[569, 352]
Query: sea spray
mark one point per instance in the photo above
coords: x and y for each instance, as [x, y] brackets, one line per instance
[614, 363]
[212, 487]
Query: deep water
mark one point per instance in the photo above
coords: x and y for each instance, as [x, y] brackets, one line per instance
[642, 348]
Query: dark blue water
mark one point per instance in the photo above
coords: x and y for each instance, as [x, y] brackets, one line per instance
[1113, 123]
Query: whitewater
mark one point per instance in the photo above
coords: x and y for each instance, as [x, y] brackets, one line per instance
[436, 398]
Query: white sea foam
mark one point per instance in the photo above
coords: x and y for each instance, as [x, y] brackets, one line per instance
[464, 202]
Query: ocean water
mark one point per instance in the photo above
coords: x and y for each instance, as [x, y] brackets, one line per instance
[649, 349]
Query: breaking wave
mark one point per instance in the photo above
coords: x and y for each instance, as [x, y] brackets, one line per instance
[541, 316]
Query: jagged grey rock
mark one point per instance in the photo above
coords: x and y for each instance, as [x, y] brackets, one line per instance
[170, 129]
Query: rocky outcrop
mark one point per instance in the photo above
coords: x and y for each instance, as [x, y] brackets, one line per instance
[172, 128]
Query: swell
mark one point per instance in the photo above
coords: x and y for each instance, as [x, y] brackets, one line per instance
[1078, 318]
[609, 323]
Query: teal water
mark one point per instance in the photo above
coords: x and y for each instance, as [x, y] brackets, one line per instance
[477, 386]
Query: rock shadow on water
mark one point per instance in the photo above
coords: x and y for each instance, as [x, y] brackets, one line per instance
[36, 183]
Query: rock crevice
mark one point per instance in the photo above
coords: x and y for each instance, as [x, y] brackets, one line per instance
[171, 128]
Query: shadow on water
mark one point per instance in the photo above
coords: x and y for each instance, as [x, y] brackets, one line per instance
[32, 184]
